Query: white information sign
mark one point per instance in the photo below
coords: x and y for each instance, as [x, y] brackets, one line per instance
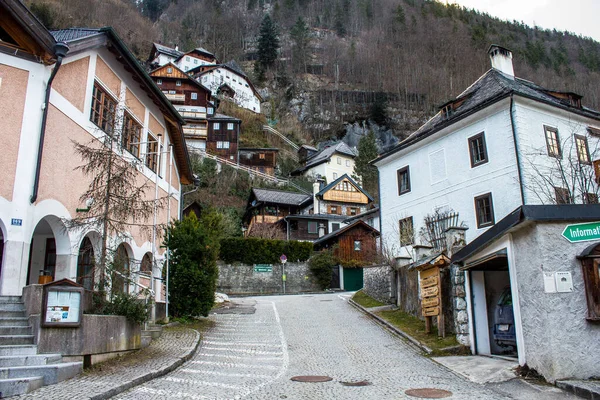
[63, 306]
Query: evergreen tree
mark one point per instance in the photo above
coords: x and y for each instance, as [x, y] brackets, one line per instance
[378, 112]
[194, 248]
[268, 43]
[363, 171]
[301, 36]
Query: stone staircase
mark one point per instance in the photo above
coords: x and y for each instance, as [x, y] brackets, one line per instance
[22, 369]
[150, 332]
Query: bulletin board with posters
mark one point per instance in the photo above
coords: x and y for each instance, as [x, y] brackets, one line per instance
[62, 306]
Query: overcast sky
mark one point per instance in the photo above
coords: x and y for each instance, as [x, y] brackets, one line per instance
[578, 16]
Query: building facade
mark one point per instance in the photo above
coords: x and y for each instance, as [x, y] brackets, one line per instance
[95, 88]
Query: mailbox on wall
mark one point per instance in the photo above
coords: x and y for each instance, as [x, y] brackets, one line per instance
[63, 304]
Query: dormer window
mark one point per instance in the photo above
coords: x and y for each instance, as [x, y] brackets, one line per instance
[447, 111]
[575, 101]
[169, 70]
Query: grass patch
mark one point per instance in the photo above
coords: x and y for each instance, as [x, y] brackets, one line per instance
[415, 327]
[365, 300]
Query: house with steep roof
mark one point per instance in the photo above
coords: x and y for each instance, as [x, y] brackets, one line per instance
[507, 150]
[190, 99]
[223, 137]
[161, 55]
[90, 84]
[260, 159]
[329, 164]
[229, 81]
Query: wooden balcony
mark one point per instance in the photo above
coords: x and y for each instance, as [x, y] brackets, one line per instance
[195, 132]
[193, 115]
[175, 97]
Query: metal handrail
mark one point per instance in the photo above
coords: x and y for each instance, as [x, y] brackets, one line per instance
[274, 131]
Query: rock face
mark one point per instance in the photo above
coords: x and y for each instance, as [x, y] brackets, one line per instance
[355, 131]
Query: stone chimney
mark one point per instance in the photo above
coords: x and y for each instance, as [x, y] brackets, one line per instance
[316, 189]
[321, 230]
[501, 59]
[455, 239]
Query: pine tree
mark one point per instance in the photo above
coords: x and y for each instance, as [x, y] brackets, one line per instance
[363, 171]
[300, 34]
[268, 43]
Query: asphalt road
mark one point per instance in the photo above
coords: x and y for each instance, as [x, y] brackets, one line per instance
[262, 342]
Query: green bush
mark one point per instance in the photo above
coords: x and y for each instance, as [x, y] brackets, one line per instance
[263, 251]
[321, 267]
[128, 305]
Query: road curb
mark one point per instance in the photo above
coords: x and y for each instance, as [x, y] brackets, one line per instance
[391, 327]
[150, 375]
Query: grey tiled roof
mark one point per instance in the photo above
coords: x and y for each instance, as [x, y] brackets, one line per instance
[168, 50]
[333, 234]
[325, 154]
[67, 35]
[488, 89]
[223, 116]
[280, 197]
[235, 67]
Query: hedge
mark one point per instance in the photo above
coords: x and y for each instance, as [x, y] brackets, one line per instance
[263, 251]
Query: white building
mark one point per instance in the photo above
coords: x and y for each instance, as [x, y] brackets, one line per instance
[161, 55]
[500, 144]
[229, 81]
[330, 163]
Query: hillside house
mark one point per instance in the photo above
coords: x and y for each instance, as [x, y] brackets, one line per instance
[93, 84]
[161, 55]
[504, 150]
[229, 81]
[190, 99]
[263, 160]
[223, 137]
[330, 163]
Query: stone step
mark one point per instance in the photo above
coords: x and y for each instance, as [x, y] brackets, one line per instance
[17, 386]
[15, 330]
[18, 350]
[35, 359]
[153, 333]
[7, 340]
[11, 299]
[52, 373]
[11, 314]
[14, 321]
[12, 307]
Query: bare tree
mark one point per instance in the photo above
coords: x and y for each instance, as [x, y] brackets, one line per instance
[562, 173]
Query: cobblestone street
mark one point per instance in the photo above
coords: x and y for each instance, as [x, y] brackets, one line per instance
[254, 355]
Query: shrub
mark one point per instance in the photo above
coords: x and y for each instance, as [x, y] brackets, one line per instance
[130, 306]
[194, 247]
[263, 251]
[320, 266]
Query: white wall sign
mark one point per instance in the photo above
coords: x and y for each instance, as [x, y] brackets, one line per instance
[564, 282]
[549, 282]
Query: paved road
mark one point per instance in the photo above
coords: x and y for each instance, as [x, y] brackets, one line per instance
[257, 347]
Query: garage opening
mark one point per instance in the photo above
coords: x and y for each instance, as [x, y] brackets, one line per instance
[492, 306]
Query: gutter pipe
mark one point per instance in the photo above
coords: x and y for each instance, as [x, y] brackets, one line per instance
[60, 51]
[514, 132]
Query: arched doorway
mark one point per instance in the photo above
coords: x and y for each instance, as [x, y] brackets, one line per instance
[86, 264]
[49, 251]
[120, 271]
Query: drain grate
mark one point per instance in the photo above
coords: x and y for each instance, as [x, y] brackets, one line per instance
[428, 393]
[311, 378]
[356, 383]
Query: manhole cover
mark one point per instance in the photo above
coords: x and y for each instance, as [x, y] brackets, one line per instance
[428, 393]
[311, 378]
[357, 383]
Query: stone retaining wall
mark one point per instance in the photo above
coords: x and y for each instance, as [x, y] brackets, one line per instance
[379, 283]
[243, 279]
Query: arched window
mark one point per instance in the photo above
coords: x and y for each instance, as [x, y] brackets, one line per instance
[85, 264]
[120, 271]
[146, 265]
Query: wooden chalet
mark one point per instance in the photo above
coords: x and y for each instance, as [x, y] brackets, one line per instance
[259, 159]
[223, 137]
[342, 197]
[190, 98]
[354, 245]
[270, 206]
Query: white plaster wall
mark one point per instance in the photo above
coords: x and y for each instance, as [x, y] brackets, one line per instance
[244, 96]
[330, 167]
[559, 342]
[530, 118]
[185, 65]
[441, 176]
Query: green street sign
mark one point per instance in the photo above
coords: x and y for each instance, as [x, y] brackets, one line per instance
[263, 268]
[582, 232]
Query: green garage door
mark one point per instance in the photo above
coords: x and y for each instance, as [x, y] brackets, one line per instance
[353, 279]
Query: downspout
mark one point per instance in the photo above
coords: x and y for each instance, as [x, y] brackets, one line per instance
[60, 51]
[514, 132]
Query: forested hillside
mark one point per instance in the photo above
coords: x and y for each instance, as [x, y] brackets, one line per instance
[344, 55]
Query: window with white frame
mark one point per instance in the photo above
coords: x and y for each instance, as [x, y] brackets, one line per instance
[178, 83]
[152, 152]
[159, 81]
[222, 145]
[230, 126]
[216, 126]
[194, 96]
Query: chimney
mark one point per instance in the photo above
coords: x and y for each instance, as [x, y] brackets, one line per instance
[321, 230]
[176, 48]
[501, 59]
[316, 189]
[455, 239]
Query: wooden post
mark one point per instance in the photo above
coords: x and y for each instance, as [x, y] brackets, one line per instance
[427, 324]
